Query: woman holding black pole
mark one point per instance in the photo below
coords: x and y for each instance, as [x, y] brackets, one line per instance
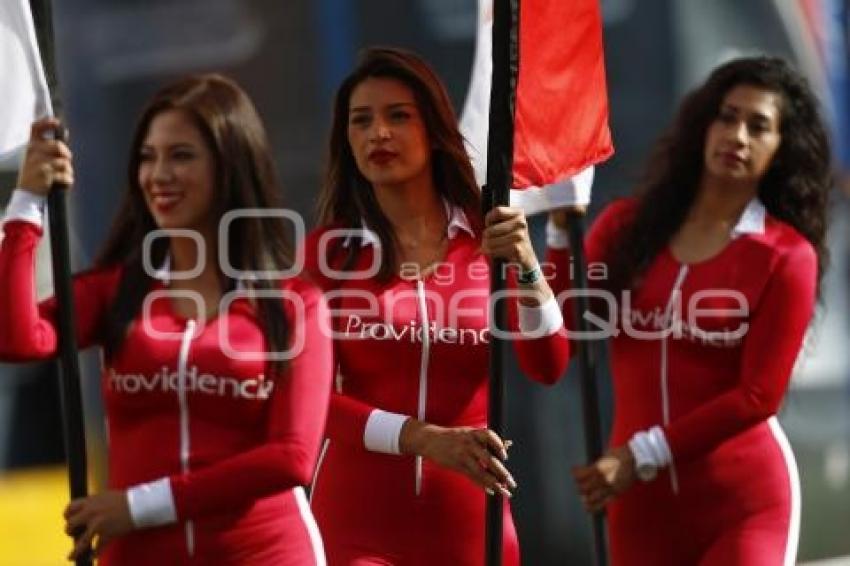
[217, 371]
[713, 272]
[402, 253]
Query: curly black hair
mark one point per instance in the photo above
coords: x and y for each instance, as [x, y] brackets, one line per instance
[794, 189]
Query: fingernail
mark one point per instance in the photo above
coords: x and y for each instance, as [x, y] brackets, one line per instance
[509, 443]
[505, 492]
[488, 491]
[512, 482]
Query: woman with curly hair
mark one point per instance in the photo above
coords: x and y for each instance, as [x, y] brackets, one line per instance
[714, 267]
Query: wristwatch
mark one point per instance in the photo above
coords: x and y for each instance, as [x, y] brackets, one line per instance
[646, 471]
[645, 468]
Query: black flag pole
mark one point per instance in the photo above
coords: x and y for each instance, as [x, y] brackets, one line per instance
[496, 193]
[587, 359]
[71, 394]
[505, 55]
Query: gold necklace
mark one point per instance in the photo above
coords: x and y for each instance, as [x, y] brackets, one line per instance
[421, 269]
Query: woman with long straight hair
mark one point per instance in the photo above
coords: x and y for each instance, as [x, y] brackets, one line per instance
[403, 254]
[216, 373]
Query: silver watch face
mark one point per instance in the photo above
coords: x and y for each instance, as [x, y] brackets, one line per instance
[646, 472]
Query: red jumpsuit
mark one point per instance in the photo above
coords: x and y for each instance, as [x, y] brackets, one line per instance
[376, 508]
[731, 494]
[234, 444]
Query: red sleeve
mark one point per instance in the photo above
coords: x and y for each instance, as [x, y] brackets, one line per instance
[312, 270]
[346, 416]
[770, 349]
[543, 359]
[347, 420]
[297, 412]
[27, 328]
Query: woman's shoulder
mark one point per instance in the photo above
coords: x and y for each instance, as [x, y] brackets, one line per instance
[784, 239]
[318, 247]
[301, 285]
[620, 207]
[323, 239]
[614, 216]
[300, 297]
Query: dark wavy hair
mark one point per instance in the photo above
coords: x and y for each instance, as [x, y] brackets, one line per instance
[245, 178]
[347, 197]
[794, 189]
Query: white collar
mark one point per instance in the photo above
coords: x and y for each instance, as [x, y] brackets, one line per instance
[457, 221]
[751, 220]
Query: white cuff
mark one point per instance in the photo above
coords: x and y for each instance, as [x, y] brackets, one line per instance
[152, 504]
[383, 430]
[556, 238]
[27, 206]
[540, 321]
[650, 447]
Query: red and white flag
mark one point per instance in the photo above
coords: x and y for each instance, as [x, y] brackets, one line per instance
[561, 118]
[22, 81]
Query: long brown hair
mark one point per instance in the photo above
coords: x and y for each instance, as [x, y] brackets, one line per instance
[245, 178]
[795, 188]
[347, 198]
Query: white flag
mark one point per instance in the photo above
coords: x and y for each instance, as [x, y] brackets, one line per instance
[25, 95]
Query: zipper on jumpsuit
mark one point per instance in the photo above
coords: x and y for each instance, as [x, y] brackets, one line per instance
[185, 344]
[665, 394]
[423, 370]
